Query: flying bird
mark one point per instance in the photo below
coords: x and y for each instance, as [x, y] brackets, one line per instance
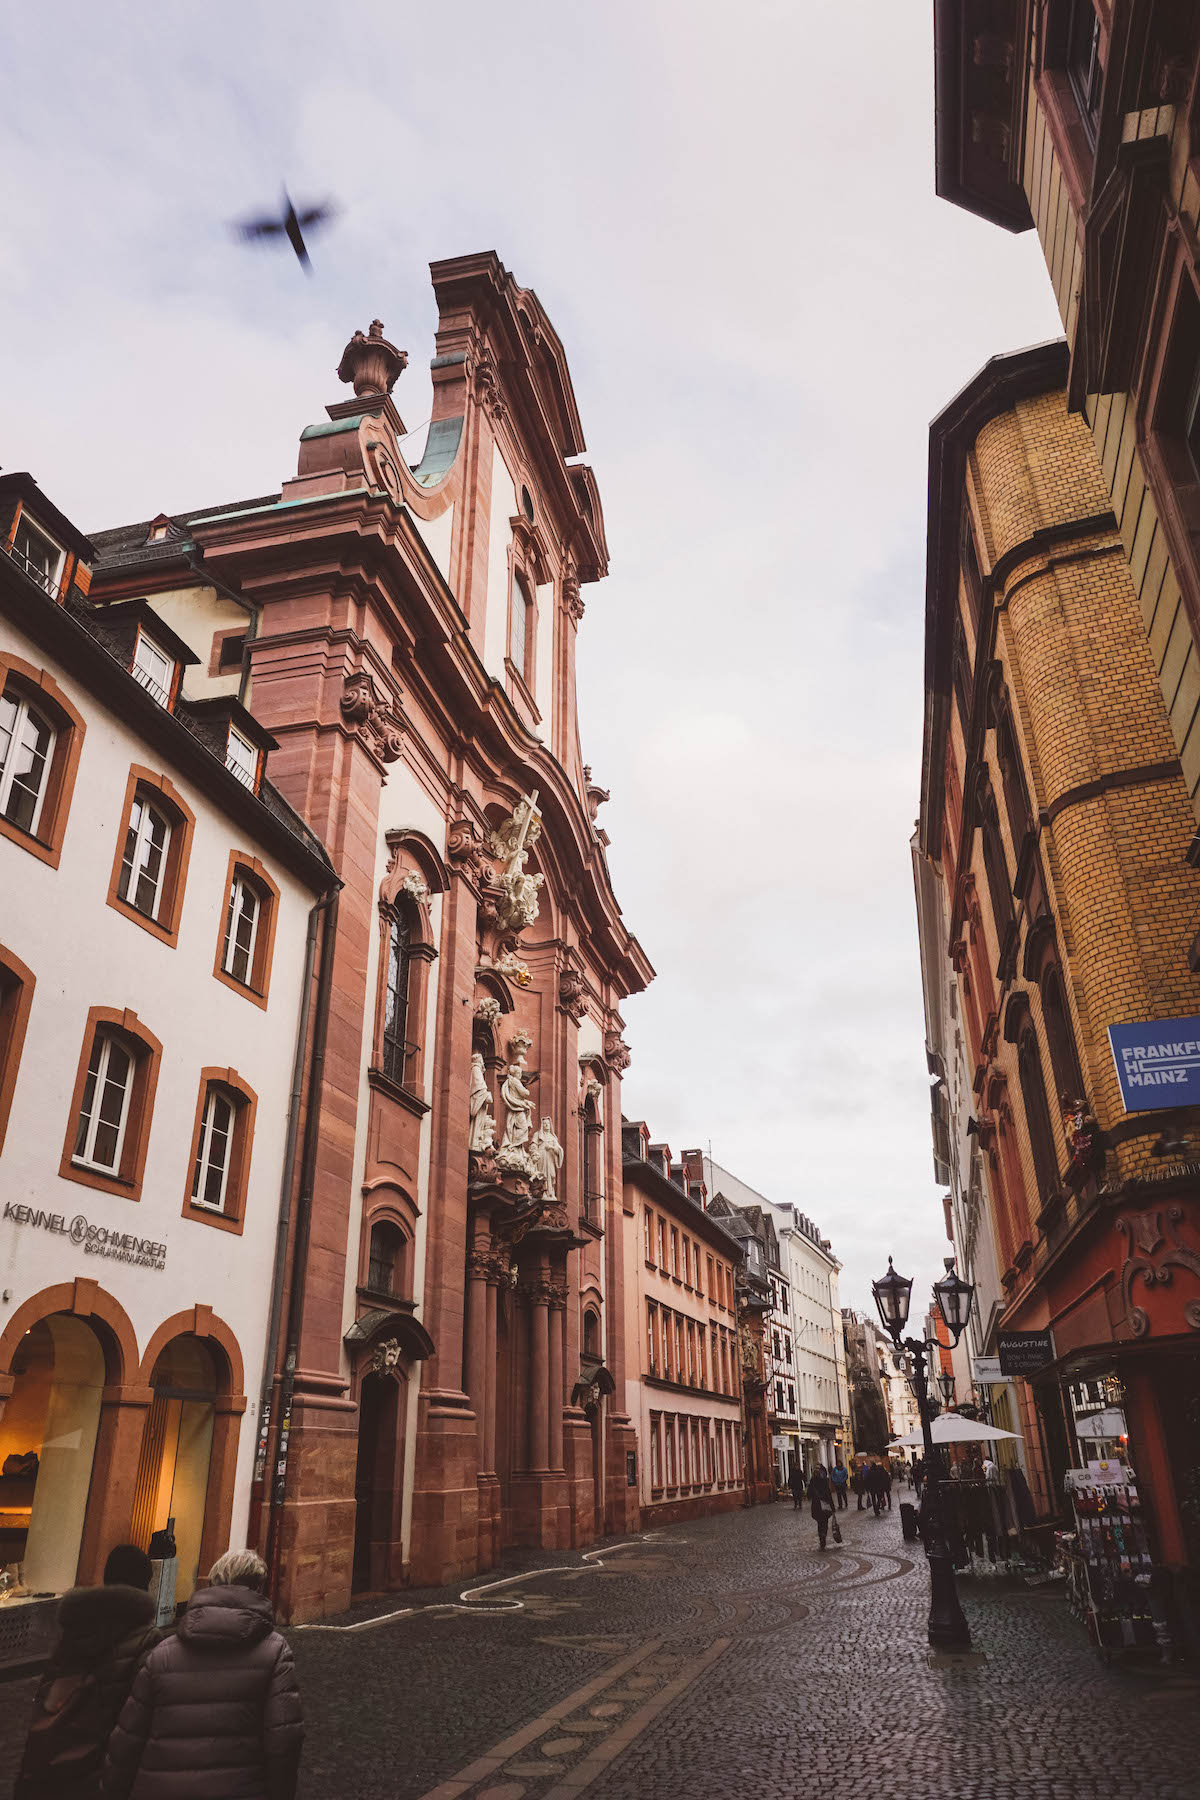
[291, 224]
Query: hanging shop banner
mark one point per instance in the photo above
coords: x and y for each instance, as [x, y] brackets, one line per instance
[1157, 1064]
[1024, 1352]
[985, 1370]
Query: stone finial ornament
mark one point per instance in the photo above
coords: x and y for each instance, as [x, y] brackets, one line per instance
[370, 363]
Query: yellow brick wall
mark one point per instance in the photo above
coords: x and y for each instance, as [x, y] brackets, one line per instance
[1086, 703]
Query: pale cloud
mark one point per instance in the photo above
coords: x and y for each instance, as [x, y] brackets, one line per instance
[730, 217]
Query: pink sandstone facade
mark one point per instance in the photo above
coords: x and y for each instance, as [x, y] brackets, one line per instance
[450, 1355]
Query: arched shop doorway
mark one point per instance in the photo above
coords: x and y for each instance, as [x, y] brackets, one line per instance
[176, 1455]
[48, 1434]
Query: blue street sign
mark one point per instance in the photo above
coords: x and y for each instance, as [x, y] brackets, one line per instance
[1158, 1065]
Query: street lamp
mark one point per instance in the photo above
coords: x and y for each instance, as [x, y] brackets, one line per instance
[946, 1382]
[947, 1629]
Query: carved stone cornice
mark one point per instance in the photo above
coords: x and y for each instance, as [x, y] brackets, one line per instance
[465, 849]
[616, 1052]
[371, 718]
[572, 598]
[572, 993]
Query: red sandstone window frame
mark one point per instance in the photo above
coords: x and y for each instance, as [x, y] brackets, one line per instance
[39, 688]
[648, 1236]
[250, 869]
[17, 982]
[164, 795]
[244, 1100]
[146, 1052]
[656, 1462]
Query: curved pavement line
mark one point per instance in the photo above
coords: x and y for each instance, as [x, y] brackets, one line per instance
[464, 1604]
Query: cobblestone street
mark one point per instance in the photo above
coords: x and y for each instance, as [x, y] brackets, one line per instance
[727, 1657]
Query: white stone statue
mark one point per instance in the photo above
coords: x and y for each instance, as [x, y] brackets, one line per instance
[482, 1131]
[518, 1101]
[546, 1155]
[522, 828]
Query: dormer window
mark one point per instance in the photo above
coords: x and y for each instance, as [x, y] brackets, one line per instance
[154, 669]
[241, 756]
[38, 554]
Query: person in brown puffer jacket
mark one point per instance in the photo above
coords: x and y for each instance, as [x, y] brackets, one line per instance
[103, 1634]
[215, 1711]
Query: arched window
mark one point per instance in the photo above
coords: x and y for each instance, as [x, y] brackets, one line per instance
[109, 1124]
[247, 928]
[385, 1264]
[150, 864]
[1037, 1113]
[1064, 1059]
[395, 998]
[593, 1146]
[219, 1169]
[41, 735]
[591, 1332]
[1016, 795]
[994, 863]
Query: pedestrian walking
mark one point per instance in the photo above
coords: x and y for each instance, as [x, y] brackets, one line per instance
[918, 1475]
[875, 1486]
[820, 1497]
[215, 1710]
[796, 1483]
[839, 1479]
[858, 1481]
[885, 1471]
[103, 1634]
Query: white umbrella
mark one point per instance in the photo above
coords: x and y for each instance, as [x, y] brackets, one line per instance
[952, 1428]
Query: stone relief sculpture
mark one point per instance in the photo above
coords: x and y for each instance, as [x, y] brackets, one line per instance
[546, 1155]
[518, 904]
[482, 1130]
[518, 1109]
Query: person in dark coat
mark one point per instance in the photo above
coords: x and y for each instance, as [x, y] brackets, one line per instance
[885, 1482]
[858, 1481]
[215, 1711]
[796, 1482]
[820, 1498]
[875, 1486]
[103, 1634]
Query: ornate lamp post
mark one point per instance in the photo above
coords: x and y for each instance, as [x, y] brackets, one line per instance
[947, 1626]
[946, 1382]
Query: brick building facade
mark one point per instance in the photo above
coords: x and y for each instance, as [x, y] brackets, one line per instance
[1056, 812]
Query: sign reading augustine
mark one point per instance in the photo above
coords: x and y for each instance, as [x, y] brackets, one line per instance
[93, 1240]
[1024, 1352]
[1157, 1065]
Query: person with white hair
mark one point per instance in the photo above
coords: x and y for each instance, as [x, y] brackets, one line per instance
[215, 1711]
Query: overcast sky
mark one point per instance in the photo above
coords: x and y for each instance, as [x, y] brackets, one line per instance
[729, 215]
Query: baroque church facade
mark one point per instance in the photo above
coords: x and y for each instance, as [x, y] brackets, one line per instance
[445, 1372]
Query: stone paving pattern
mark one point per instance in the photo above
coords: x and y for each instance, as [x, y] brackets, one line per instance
[728, 1656]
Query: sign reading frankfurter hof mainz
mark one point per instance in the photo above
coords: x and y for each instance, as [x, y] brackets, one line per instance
[93, 1240]
[1157, 1064]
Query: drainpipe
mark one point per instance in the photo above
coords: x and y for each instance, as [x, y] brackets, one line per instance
[295, 1305]
[271, 1346]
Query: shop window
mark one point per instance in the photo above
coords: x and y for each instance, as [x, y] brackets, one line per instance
[41, 735]
[16, 998]
[109, 1126]
[385, 1259]
[150, 864]
[247, 937]
[47, 1442]
[220, 1160]
[173, 1469]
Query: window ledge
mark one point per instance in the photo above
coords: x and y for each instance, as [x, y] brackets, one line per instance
[524, 692]
[206, 1215]
[393, 1302]
[96, 1178]
[590, 1227]
[155, 927]
[411, 1101]
[35, 845]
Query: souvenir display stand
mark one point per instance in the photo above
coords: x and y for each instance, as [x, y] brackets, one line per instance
[1108, 1561]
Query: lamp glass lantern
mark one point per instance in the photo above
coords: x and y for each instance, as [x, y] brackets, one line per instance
[946, 1383]
[954, 1297]
[892, 1295]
